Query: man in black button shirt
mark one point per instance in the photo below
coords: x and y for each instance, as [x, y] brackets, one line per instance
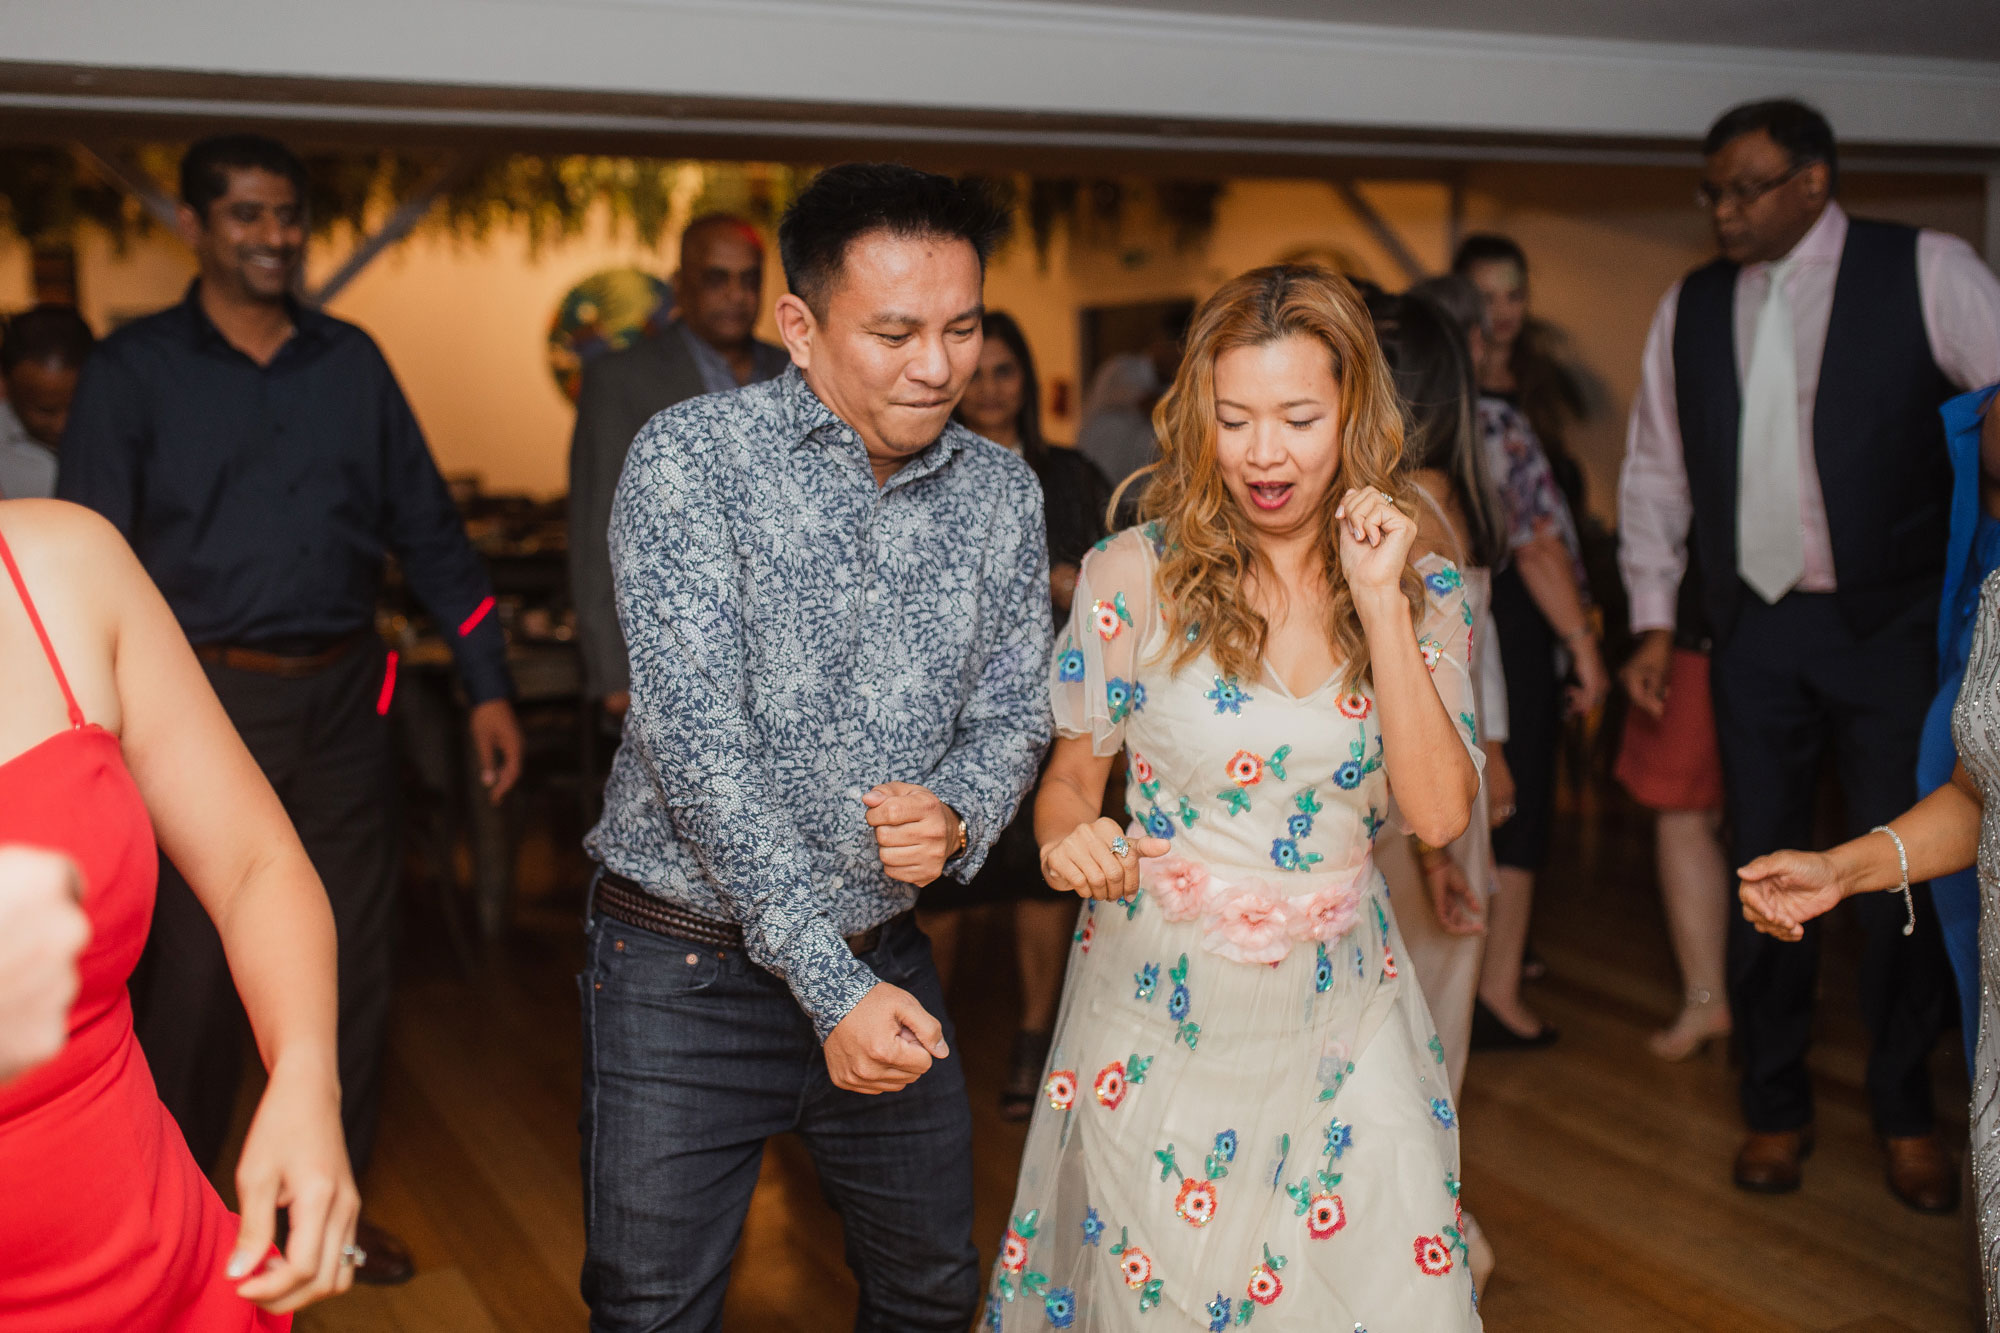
[261, 459]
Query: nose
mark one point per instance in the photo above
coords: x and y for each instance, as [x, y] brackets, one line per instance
[1267, 446]
[930, 366]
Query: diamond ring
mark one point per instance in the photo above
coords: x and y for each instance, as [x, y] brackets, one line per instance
[353, 1254]
[1121, 848]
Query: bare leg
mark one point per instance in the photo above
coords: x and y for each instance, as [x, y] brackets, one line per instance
[942, 927]
[1694, 886]
[1042, 929]
[1506, 938]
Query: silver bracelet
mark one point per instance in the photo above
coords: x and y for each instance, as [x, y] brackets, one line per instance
[1902, 860]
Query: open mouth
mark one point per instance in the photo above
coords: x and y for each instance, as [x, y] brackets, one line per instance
[1270, 494]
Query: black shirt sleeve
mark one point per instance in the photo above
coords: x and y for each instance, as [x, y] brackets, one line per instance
[104, 441]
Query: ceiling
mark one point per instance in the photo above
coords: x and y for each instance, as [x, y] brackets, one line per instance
[1961, 29]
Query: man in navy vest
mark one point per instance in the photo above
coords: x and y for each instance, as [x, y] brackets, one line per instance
[1787, 424]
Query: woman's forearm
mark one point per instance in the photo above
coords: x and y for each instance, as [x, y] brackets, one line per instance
[1072, 789]
[1433, 778]
[1940, 834]
[277, 932]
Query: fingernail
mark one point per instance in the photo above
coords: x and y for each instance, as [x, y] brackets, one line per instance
[240, 1265]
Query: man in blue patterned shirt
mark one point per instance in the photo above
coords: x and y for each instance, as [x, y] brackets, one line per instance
[835, 603]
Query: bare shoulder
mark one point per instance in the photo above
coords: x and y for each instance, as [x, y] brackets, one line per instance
[66, 546]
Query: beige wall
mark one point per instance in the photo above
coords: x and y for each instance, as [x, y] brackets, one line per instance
[464, 325]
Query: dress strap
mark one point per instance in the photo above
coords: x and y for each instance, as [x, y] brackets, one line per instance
[76, 718]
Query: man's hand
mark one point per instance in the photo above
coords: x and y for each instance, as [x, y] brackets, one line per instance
[496, 740]
[886, 1042]
[915, 832]
[42, 932]
[1645, 672]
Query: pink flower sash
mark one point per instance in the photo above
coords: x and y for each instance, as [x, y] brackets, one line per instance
[1252, 920]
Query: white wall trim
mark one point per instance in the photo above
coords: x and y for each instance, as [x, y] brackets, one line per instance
[1023, 56]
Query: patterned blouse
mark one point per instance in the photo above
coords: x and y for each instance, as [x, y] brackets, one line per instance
[1528, 491]
[798, 635]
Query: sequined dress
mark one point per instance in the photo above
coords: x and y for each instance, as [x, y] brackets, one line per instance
[1975, 729]
[1246, 1117]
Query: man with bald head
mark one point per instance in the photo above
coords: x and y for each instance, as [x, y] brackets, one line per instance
[711, 348]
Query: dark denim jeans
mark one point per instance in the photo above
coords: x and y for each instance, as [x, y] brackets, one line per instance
[692, 1058]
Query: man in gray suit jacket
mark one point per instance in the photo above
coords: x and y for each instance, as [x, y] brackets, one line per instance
[710, 348]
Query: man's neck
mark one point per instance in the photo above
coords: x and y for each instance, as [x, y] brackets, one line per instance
[255, 328]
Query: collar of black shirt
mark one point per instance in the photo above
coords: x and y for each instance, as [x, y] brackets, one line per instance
[308, 324]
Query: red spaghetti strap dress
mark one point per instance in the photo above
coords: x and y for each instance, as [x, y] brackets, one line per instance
[105, 1221]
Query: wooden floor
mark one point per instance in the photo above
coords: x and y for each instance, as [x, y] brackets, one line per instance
[1600, 1174]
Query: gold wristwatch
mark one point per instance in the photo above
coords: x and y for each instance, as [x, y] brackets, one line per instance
[963, 840]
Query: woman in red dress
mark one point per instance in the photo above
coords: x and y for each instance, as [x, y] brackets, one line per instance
[109, 733]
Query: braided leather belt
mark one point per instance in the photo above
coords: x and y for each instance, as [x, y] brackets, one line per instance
[285, 666]
[624, 901]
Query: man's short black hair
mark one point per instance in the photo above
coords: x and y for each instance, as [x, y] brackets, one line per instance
[206, 166]
[851, 200]
[45, 333]
[1795, 127]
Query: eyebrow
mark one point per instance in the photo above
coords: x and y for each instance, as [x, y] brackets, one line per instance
[1296, 402]
[917, 322]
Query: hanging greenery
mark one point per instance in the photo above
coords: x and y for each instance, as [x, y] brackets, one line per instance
[47, 193]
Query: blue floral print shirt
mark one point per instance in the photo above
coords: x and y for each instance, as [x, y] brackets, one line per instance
[798, 635]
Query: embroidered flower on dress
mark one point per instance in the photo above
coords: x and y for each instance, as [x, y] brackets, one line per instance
[1432, 652]
[1061, 1089]
[1264, 1285]
[1177, 1003]
[1218, 1313]
[1060, 1305]
[1442, 1113]
[1137, 1268]
[1225, 1145]
[1326, 915]
[1322, 972]
[1228, 696]
[1069, 667]
[1196, 1202]
[993, 1312]
[1444, 580]
[1087, 934]
[1013, 1251]
[1355, 704]
[1093, 1227]
[1178, 885]
[1110, 1087]
[1299, 826]
[1325, 1215]
[1138, 696]
[1246, 769]
[1388, 963]
[1432, 1256]
[1348, 776]
[1142, 768]
[1145, 981]
[1109, 622]
[1339, 1138]
[1118, 694]
[1248, 925]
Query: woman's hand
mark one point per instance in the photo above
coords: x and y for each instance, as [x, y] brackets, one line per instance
[1084, 863]
[1458, 908]
[1375, 542]
[1593, 682]
[1646, 672]
[1501, 793]
[295, 1158]
[1783, 891]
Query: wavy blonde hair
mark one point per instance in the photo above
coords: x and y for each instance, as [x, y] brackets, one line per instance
[1209, 548]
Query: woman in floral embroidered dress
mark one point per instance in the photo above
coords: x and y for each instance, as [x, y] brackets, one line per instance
[1246, 1115]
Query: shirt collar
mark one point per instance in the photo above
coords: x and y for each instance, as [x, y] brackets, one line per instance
[812, 419]
[1822, 242]
[307, 323]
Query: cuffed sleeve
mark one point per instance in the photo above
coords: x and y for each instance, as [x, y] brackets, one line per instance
[1654, 506]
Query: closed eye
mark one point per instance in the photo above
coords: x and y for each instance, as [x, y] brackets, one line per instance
[1304, 425]
[1231, 425]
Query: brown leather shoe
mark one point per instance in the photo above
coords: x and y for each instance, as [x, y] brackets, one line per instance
[1769, 1163]
[388, 1262]
[1922, 1174]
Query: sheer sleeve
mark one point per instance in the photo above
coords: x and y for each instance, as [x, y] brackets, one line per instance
[1444, 638]
[1095, 680]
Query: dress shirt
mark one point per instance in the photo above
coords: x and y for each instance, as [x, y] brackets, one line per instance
[27, 466]
[262, 499]
[717, 375]
[799, 634]
[1961, 308]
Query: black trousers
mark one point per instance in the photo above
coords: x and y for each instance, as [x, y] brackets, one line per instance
[1793, 685]
[1534, 722]
[329, 754]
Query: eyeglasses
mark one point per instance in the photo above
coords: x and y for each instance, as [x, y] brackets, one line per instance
[1711, 197]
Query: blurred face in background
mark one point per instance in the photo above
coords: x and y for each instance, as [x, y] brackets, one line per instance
[1760, 203]
[720, 287]
[252, 240]
[40, 393]
[1504, 288]
[992, 402]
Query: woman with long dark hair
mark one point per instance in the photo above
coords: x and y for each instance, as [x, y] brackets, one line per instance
[1004, 403]
[1247, 1110]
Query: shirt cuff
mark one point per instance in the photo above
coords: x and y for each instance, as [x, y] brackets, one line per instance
[979, 835]
[483, 669]
[1652, 609]
[830, 983]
